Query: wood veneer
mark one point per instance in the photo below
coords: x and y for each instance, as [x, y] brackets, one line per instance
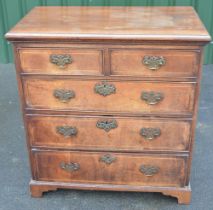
[174, 134]
[178, 98]
[104, 46]
[84, 61]
[125, 169]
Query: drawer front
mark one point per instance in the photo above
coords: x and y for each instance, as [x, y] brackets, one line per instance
[154, 63]
[61, 61]
[121, 97]
[111, 168]
[107, 133]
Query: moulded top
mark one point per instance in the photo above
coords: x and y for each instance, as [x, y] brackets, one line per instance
[110, 23]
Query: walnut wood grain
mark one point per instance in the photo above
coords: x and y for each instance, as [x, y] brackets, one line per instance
[104, 23]
[130, 62]
[83, 61]
[183, 194]
[38, 190]
[124, 170]
[175, 135]
[178, 97]
[98, 45]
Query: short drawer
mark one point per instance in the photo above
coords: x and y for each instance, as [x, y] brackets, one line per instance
[111, 96]
[154, 63]
[108, 133]
[58, 61]
[110, 168]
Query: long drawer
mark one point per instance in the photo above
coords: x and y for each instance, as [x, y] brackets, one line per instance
[112, 96]
[111, 168]
[108, 133]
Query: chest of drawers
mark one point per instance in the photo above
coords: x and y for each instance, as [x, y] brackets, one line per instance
[109, 96]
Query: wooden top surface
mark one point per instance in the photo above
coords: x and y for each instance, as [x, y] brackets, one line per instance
[107, 23]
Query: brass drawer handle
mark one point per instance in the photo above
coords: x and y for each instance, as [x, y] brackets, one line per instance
[107, 125]
[64, 95]
[149, 170]
[108, 159]
[104, 88]
[150, 133]
[67, 131]
[151, 97]
[70, 167]
[61, 60]
[154, 62]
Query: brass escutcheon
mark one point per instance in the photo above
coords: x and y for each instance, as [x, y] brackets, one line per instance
[107, 125]
[108, 159]
[104, 88]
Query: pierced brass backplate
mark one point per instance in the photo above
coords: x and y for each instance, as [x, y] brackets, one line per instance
[66, 131]
[151, 97]
[149, 170]
[70, 167]
[64, 95]
[61, 60]
[154, 62]
[150, 133]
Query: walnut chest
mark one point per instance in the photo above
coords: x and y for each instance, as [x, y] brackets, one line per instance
[109, 96]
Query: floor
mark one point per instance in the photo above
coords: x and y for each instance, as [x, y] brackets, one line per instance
[14, 167]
